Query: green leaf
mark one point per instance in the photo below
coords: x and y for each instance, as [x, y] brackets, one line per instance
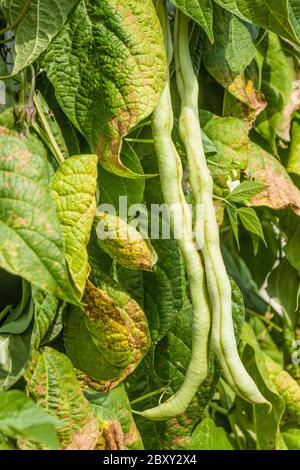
[19, 318]
[132, 281]
[109, 339]
[245, 191]
[277, 86]
[287, 388]
[113, 54]
[226, 62]
[53, 124]
[239, 271]
[113, 411]
[111, 186]
[40, 24]
[48, 312]
[294, 15]
[293, 165]
[14, 356]
[63, 130]
[290, 437]
[30, 242]
[20, 417]
[283, 286]
[52, 383]
[73, 189]
[274, 15]
[208, 436]
[240, 49]
[266, 421]
[290, 225]
[232, 215]
[16, 340]
[251, 221]
[200, 11]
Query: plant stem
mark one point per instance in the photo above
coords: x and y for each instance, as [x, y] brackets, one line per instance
[149, 395]
[55, 148]
[140, 141]
[265, 320]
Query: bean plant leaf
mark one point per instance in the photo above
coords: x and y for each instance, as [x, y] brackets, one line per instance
[15, 351]
[124, 243]
[20, 417]
[208, 436]
[251, 221]
[52, 383]
[113, 411]
[113, 187]
[287, 388]
[40, 24]
[283, 285]
[31, 240]
[266, 421]
[73, 189]
[112, 53]
[226, 64]
[245, 191]
[200, 11]
[290, 437]
[274, 16]
[112, 330]
[290, 226]
[237, 153]
[293, 165]
[281, 192]
[277, 86]
[48, 311]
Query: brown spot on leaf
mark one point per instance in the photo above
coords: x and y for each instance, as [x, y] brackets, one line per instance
[266, 169]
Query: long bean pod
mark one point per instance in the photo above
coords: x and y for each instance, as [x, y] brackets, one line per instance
[223, 339]
[170, 169]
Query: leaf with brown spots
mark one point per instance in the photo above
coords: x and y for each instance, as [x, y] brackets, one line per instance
[52, 383]
[110, 337]
[237, 153]
[266, 169]
[31, 244]
[73, 189]
[286, 386]
[113, 412]
[124, 243]
[108, 68]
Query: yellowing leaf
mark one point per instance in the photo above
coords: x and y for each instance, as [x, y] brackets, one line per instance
[266, 169]
[123, 243]
[52, 383]
[108, 68]
[110, 337]
[286, 386]
[31, 244]
[73, 190]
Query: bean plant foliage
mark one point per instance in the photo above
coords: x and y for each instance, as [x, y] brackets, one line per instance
[149, 224]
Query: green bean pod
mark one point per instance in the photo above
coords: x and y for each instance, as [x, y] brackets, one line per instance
[218, 284]
[171, 173]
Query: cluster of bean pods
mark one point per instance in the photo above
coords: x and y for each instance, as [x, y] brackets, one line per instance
[209, 284]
